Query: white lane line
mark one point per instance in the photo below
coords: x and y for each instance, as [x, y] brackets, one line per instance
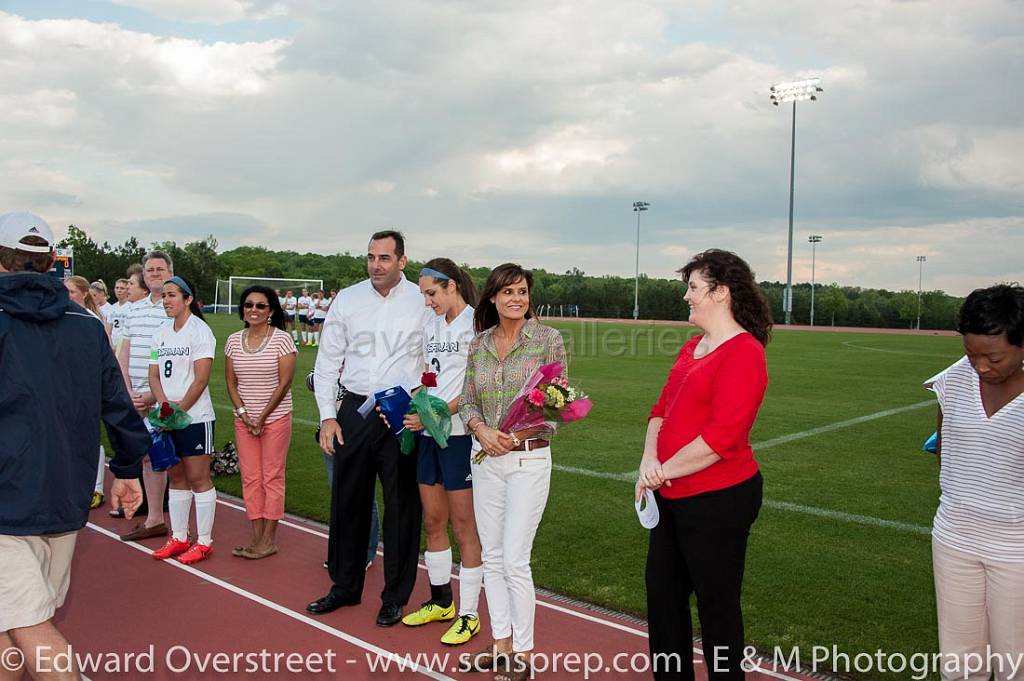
[856, 346]
[260, 600]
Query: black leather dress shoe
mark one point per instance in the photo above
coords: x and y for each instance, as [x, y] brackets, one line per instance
[390, 614]
[330, 603]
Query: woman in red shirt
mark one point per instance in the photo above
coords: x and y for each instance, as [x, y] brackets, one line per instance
[699, 468]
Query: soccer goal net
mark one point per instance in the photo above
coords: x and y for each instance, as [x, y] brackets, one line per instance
[228, 290]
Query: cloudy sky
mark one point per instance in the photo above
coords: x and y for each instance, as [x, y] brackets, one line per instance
[497, 130]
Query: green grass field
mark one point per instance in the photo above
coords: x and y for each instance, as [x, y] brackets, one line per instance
[840, 554]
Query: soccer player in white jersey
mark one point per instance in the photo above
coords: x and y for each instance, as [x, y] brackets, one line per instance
[181, 358]
[145, 317]
[444, 475]
[98, 293]
[321, 305]
[290, 304]
[304, 302]
[119, 312]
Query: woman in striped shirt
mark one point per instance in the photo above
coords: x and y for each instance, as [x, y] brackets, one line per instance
[978, 532]
[259, 366]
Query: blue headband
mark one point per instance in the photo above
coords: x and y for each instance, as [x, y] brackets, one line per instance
[180, 283]
[427, 272]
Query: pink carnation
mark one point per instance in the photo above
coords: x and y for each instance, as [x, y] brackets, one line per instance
[536, 397]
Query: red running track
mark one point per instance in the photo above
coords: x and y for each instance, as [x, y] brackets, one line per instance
[252, 613]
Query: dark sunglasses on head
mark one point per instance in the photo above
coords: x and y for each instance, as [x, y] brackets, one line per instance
[258, 306]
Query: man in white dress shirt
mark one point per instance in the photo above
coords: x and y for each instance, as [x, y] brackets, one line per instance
[374, 336]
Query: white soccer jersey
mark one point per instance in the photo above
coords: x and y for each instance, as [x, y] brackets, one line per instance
[290, 304]
[446, 347]
[106, 310]
[118, 314]
[304, 303]
[322, 306]
[174, 353]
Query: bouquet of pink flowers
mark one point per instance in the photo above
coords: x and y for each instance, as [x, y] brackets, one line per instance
[546, 398]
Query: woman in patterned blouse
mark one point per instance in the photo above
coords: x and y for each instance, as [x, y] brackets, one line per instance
[510, 487]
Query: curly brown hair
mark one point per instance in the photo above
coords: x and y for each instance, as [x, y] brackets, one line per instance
[749, 306]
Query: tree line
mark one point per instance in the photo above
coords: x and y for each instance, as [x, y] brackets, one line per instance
[595, 296]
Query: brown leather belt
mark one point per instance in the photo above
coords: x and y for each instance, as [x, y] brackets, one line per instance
[530, 444]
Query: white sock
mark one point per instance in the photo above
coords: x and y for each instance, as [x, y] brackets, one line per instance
[206, 508]
[316, 337]
[305, 336]
[470, 582]
[99, 472]
[179, 504]
[439, 566]
[295, 335]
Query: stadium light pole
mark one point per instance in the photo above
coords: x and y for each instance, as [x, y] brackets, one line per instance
[638, 207]
[815, 239]
[795, 91]
[921, 259]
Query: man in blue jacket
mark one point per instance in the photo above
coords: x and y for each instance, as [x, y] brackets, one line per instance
[60, 378]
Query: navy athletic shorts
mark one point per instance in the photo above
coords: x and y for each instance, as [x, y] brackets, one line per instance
[449, 466]
[195, 439]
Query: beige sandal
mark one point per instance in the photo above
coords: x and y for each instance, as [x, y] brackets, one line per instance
[487, 659]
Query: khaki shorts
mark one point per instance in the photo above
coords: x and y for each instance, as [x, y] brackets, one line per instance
[36, 575]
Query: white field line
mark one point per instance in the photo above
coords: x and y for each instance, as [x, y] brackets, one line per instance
[630, 476]
[276, 607]
[838, 425]
[857, 346]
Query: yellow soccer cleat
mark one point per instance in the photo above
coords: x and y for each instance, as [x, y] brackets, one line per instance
[429, 612]
[463, 629]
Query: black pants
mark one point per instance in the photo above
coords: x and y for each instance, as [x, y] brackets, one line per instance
[699, 546]
[371, 450]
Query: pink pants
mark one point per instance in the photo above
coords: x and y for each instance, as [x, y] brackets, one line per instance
[262, 462]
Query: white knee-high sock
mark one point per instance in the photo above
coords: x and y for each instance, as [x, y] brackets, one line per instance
[470, 582]
[439, 566]
[179, 504]
[305, 336]
[206, 508]
[295, 335]
[316, 337]
[99, 471]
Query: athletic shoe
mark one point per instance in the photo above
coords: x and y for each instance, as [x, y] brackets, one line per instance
[429, 612]
[172, 548]
[97, 500]
[196, 553]
[462, 629]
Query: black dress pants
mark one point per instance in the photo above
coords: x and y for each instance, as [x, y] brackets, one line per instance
[699, 546]
[371, 451]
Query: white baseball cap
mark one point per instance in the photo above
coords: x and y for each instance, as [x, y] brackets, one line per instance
[17, 226]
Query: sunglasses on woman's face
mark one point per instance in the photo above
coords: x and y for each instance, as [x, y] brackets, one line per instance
[258, 306]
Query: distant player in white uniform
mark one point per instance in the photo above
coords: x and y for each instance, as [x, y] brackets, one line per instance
[321, 305]
[120, 311]
[98, 293]
[290, 303]
[304, 303]
[180, 362]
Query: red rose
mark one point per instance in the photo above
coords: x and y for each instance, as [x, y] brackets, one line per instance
[429, 379]
[166, 410]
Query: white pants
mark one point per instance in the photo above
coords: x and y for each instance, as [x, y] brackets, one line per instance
[509, 496]
[980, 605]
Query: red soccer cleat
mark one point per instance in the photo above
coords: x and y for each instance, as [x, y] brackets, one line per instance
[172, 548]
[196, 553]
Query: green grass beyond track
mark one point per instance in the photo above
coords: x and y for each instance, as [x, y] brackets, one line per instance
[821, 569]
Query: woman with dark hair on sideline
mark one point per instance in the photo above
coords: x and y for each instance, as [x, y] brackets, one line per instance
[259, 367]
[699, 468]
[978, 531]
[510, 487]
